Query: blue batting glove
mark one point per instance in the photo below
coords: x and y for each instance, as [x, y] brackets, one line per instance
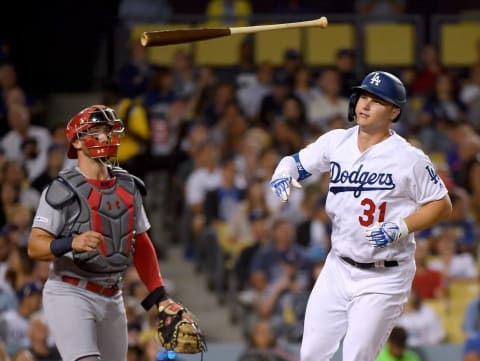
[383, 234]
[281, 186]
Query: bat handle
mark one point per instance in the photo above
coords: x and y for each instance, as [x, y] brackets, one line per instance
[320, 22]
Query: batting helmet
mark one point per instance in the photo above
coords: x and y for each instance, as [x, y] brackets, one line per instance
[384, 85]
[95, 115]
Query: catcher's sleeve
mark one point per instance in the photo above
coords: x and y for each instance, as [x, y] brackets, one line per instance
[146, 264]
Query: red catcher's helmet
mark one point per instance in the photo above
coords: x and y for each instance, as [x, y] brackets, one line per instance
[90, 117]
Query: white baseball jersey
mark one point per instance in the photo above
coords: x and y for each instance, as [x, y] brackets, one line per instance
[387, 182]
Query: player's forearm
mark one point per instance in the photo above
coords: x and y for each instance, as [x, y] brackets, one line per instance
[286, 166]
[429, 214]
[39, 245]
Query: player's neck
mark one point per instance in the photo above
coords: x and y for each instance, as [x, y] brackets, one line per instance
[94, 170]
[366, 139]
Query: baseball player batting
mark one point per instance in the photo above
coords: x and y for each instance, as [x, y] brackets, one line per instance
[381, 191]
[92, 224]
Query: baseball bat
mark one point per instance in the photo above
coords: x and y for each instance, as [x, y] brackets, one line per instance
[177, 36]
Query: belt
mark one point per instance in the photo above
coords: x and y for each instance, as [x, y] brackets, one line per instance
[370, 265]
[93, 287]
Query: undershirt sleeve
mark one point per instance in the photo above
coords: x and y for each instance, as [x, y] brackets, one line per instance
[146, 262]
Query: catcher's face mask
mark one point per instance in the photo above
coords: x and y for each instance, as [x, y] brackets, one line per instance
[100, 129]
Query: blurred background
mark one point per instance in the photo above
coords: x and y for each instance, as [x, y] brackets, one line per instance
[206, 123]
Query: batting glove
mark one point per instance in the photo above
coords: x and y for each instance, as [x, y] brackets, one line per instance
[281, 186]
[383, 234]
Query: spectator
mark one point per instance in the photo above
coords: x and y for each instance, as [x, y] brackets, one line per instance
[14, 174]
[471, 348]
[250, 96]
[428, 283]
[185, 74]
[396, 347]
[262, 345]
[14, 323]
[470, 96]
[284, 300]
[134, 76]
[21, 129]
[268, 259]
[295, 115]
[160, 92]
[221, 202]
[20, 218]
[206, 177]
[239, 226]
[260, 228]
[223, 96]
[55, 162]
[292, 62]
[20, 268]
[421, 322]
[271, 105]
[454, 266]
[243, 73]
[314, 232]
[251, 148]
[329, 102]
[431, 67]
[440, 108]
[41, 345]
[8, 299]
[471, 318]
[230, 130]
[345, 64]
[137, 127]
[303, 86]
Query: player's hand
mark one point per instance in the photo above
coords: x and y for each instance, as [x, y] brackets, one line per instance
[383, 234]
[87, 241]
[280, 185]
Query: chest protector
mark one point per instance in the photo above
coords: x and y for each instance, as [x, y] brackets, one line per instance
[106, 207]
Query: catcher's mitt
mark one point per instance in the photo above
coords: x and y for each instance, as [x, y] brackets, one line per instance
[177, 330]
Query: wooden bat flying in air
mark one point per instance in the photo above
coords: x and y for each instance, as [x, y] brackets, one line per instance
[177, 36]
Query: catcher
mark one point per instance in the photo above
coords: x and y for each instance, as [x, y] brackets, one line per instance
[91, 223]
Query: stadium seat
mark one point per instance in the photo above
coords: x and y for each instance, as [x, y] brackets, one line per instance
[391, 44]
[160, 55]
[453, 328]
[271, 45]
[458, 43]
[322, 44]
[218, 52]
[466, 291]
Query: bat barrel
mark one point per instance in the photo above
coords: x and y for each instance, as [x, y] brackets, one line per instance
[177, 36]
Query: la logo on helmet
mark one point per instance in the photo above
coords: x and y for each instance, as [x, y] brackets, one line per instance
[375, 79]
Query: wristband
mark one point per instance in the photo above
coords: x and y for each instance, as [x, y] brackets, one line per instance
[403, 229]
[60, 246]
[155, 297]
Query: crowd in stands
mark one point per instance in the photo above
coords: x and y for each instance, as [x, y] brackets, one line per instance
[206, 141]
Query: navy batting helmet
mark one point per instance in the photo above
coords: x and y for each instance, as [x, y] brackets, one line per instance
[384, 85]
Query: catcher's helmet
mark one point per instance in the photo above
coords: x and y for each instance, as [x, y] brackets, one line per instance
[95, 115]
[384, 85]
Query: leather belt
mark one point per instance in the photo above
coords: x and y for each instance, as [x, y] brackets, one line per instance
[370, 264]
[92, 287]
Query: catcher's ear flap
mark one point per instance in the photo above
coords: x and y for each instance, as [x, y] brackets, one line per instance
[156, 296]
[351, 106]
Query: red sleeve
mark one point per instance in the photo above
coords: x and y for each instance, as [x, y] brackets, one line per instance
[146, 262]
